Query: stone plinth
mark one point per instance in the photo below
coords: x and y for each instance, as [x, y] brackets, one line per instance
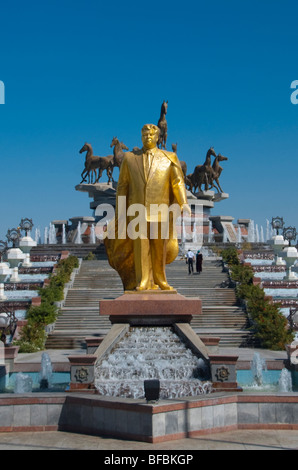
[82, 372]
[223, 373]
[151, 308]
[102, 193]
[8, 355]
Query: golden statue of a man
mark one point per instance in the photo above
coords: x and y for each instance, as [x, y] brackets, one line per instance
[150, 183]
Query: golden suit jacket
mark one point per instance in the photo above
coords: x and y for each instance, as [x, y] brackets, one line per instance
[164, 184]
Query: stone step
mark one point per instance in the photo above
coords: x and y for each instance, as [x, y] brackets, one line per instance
[96, 280]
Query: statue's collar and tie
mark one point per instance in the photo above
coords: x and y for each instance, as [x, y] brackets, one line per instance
[148, 155]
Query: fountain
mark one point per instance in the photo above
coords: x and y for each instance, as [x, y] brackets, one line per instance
[257, 234]
[258, 365]
[251, 232]
[79, 234]
[52, 235]
[268, 235]
[151, 353]
[46, 236]
[210, 233]
[46, 371]
[63, 234]
[285, 381]
[239, 235]
[23, 383]
[37, 236]
[92, 235]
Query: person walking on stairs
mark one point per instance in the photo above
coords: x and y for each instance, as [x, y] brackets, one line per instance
[190, 259]
[199, 262]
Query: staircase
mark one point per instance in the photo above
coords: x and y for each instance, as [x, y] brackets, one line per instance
[221, 315]
[79, 318]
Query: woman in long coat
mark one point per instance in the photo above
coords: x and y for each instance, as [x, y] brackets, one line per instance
[199, 261]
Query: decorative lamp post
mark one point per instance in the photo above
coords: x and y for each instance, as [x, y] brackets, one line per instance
[26, 243]
[8, 323]
[278, 242]
[290, 234]
[290, 253]
[14, 254]
[4, 267]
[292, 318]
[277, 224]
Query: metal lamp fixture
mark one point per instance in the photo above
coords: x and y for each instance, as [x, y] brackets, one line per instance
[277, 223]
[3, 249]
[8, 323]
[26, 225]
[290, 234]
[13, 236]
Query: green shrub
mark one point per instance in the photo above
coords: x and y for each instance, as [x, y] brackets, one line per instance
[270, 325]
[90, 257]
[44, 314]
[33, 336]
[242, 274]
[230, 256]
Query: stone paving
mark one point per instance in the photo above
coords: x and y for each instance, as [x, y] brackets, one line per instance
[233, 440]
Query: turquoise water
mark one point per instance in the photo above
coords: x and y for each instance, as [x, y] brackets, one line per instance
[59, 382]
[270, 381]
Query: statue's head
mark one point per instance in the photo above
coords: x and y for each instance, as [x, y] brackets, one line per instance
[150, 135]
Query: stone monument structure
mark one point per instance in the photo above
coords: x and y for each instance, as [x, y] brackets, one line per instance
[203, 190]
[139, 242]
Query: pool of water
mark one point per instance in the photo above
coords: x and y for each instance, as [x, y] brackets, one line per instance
[259, 262]
[281, 293]
[43, 264]
[20, 294]
[59, 382]
[270, 381]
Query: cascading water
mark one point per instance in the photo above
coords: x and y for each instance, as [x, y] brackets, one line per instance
[251, 232]
[23, 383]
[79, 234]
[46, 236]
[285, 381]
[46, 371]
[92, 235]
[258, 365]
[63, 234]
[151, 353]
[52, 235]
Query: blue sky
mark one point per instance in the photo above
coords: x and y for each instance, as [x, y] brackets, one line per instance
[79, 71]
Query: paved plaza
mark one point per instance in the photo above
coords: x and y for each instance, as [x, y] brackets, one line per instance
[236, 440]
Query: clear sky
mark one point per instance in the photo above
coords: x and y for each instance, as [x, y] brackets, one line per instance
[77, 71]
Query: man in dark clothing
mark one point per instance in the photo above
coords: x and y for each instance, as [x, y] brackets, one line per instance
[190, 258]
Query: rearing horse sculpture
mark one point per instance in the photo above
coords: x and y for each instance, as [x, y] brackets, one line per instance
[217, 169]
[118, 151]
[93, 163]
[203, 174]
[163, 126]
[182, 163]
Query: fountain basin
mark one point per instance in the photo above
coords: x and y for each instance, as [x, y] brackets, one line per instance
[59, 382]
